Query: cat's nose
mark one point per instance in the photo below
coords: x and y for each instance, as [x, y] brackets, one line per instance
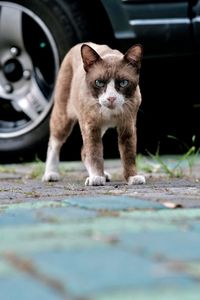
[111, 99]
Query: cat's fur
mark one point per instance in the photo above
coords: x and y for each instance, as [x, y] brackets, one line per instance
[98, 87]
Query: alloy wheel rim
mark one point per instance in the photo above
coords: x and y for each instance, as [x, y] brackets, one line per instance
[29, 62]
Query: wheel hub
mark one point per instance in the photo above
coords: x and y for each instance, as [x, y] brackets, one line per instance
[13, 70]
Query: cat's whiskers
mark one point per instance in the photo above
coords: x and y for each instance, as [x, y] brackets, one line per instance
[110, 113]
[129, 106]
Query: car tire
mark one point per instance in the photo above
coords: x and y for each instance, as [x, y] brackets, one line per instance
[53, 21]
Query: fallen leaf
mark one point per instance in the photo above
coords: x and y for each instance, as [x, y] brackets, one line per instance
[172, 205]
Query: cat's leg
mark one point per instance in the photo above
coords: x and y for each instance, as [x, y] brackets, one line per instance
[92, 155]
[106, 174]
[61, 123]
[59, 134]
[127, 147]
[52, 161]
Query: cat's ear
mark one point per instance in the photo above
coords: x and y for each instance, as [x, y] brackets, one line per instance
[134, 56]
[89, 56]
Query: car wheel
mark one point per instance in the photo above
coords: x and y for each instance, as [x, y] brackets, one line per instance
[34, 37]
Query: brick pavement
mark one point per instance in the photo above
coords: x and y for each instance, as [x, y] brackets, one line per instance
[67, 241]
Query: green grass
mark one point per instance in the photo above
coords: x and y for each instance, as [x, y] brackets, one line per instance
[185, 161]
[38, 168]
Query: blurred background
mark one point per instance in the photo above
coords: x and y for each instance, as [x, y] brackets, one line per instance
[35, 36]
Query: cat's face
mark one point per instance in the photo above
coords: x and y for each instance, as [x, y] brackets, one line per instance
[109, 95]
[112, 80]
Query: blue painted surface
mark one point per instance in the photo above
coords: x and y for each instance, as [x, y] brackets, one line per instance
[113, 203]
[17, 217]
[92, 271]
[35, 215]
[24, 287]
[98, 248]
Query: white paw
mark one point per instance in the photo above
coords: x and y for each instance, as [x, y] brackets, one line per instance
[108, 176]
[137, 179]
[51, 176]
[95, 180]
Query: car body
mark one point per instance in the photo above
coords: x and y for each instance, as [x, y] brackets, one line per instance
[35, 36]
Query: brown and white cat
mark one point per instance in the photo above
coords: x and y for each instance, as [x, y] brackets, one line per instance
[98, 87]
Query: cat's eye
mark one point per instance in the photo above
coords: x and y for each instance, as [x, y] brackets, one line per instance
[123, 83]
[99, 83]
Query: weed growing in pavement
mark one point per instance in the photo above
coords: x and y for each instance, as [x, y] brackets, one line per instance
[146, 165]
[187, 159]
[37, 170]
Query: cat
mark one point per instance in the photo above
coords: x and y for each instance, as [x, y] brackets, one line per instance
[98, 87]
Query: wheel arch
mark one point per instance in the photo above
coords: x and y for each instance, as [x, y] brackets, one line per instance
[88, 25]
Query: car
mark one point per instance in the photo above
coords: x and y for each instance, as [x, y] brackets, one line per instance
[35, 36]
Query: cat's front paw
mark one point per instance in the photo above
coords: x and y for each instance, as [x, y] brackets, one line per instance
[95, 180]
[51, 176]
[137, 179]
